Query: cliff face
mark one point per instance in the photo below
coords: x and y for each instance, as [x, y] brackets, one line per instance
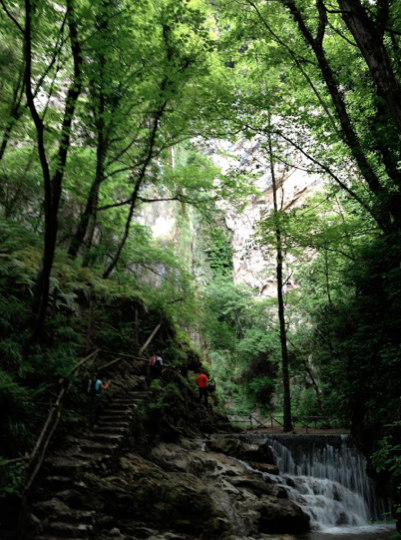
[251, 266]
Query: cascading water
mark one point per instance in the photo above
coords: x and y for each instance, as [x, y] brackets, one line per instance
[326, 476]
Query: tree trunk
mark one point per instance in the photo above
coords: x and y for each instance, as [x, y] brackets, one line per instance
[280, 300]
[370, 43]
[89, 215]
[349, 136]
[316, 389]
[138, 184]
[52, 184]
[15, 113]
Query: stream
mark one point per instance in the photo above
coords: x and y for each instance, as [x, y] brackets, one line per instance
[326, 476]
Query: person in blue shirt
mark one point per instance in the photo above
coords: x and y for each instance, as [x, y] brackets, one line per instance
[98, 387]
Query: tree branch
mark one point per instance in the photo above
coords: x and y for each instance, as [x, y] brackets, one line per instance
[12, 18]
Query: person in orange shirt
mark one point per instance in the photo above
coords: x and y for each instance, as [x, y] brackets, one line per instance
[202, 381]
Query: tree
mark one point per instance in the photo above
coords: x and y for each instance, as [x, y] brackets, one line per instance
[59, 16]
[280, 301]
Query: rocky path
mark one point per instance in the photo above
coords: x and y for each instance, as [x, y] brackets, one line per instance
[55, 508]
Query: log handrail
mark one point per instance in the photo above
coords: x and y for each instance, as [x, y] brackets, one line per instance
[34, 460]
[304, 420]
[49, 428]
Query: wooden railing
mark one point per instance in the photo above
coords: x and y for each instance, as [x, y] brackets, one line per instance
[272, 421]
[35, 460]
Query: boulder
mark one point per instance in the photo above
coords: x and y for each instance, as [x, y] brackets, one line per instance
[246, 497]
[181, 489]
[280, 516]
[174, 501]
[258, 486]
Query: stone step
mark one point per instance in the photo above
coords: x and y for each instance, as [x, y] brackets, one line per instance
[88, 446]
[110, 429]
[65, 466]
[67, 496]
[92, 457]
[119, 412]
[100, 437]
[113, 420]
[64, 529]
[119, 405]
[111, 440]
[125, 406]
[57, 482]
[51, 537]
[96, 436]
[122, 401]
[57, 510]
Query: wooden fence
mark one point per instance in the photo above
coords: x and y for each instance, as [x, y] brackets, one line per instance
[272, 421]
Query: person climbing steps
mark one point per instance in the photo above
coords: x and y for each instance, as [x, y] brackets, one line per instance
[96, 390]
[202, 381]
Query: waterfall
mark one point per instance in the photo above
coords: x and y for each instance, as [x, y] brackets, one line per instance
[326, 476]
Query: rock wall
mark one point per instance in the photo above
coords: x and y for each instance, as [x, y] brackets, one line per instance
[251, 266]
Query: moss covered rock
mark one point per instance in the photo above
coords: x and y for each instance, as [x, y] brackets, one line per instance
[143, 491]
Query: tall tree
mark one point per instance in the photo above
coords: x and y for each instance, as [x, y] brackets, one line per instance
[52, 180]
[281, 311]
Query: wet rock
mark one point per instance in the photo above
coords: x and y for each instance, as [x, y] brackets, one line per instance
[265, 467]
[282, 516]
[175, 501]
[259, 487]
[247, 452]
[251, 504]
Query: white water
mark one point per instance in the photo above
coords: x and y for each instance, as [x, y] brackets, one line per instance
[330, 483]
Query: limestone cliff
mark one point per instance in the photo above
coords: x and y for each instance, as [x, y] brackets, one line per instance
[251, 266]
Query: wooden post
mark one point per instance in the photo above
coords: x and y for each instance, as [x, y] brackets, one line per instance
[136, 331]
[89, 329]
[152, 335]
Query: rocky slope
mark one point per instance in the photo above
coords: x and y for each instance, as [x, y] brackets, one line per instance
[136, 478]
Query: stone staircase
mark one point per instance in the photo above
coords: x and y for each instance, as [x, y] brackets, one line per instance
[55, 512]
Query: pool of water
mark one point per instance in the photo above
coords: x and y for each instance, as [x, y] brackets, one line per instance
[369, 532]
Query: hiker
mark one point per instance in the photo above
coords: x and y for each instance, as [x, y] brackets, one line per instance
[202, 381]
[95, 390]
[155, 366]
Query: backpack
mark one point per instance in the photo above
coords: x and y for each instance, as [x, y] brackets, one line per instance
[90, 387]
[155, 361]
[211, 387]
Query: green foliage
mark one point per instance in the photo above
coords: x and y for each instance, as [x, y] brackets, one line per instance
[218, 249]
[244, 344]
[11, 479]
[387, 458]
[154, 79]
[17, 420]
